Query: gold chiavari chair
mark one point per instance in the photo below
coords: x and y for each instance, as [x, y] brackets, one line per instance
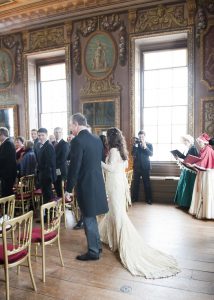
[49, 232]
[7, 205]
[73, 205]
[24, 193]
[19, 250]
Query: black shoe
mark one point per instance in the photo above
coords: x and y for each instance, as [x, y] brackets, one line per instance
[87, 256]
[149, 202]
[79, 225]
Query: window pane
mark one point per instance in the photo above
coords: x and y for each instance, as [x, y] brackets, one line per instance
[179, 58]
[177, 132]
[54, 96]
[165, 97]
[52, 72]
[52, 120]
[180, 77]
[164, 115]
[180, 96]
[179, 115]
[150, 98]
[164, 134]
[151, 133]
[157, 60]
[163, 152]
[151, 79]
[150, 116]
[165, 78]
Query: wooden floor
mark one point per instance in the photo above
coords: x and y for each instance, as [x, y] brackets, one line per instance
[164, 227]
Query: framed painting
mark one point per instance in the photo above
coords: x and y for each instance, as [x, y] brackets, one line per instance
[207, 115]
[9, 119]
[6, 69]
[207, 56]
[100, 55]
[102, 114]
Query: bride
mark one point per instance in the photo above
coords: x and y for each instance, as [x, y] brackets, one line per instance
[116, 229]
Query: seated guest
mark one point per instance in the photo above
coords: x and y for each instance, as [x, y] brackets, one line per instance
[183, 196]
[8, 171]
[19, 144]
[27, 163]
[202, 206]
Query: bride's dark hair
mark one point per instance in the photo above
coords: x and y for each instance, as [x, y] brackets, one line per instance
[116, 140]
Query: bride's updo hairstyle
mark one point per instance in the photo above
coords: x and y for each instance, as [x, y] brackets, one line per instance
[116, 140]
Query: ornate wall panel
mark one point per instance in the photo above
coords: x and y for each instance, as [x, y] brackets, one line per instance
[207, 115]
[159, 18]
[207, 56]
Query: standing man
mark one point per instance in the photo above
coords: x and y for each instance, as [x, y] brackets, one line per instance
[141, 152]
[61, 149]
[46, 165]
[8, 169]
[85, 172]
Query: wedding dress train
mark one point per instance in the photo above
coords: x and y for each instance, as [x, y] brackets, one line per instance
[117, 231]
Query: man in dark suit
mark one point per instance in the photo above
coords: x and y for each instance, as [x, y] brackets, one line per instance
[85, 172]
[8, 168]
[61, 149]
[46, 165]
[141, 152]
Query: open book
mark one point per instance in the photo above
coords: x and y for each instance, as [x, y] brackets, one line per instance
[191, 159]
[177, 153]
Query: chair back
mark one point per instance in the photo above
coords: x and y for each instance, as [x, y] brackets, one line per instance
[53, 213]
[26, 184]
[7, 205]
[21, 228]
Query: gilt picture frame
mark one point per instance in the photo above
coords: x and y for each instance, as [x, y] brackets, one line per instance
[100, 55]
[102, 114]
[207, 115]
[9, 119]
[7, 69]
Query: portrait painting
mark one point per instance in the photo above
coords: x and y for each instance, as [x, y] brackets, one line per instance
[207, 57]
[6, 69]
[8, 119]
[100, 55]
[207, 115]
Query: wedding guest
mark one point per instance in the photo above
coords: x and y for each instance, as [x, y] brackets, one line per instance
[27, 164]
[183, 196]
[202, 206]
[8, 169]
[19, 145]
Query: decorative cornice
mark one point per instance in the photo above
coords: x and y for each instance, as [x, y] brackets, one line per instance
[99, 88]
[161, 18]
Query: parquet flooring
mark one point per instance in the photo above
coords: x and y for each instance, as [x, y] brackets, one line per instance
[162, 226]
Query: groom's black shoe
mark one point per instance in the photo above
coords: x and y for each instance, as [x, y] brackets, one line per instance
[88, 256]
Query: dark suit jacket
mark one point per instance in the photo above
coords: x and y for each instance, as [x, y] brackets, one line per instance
[85, 171]
[8, 167]
[141, 156]
[61, 150]
[47, 162]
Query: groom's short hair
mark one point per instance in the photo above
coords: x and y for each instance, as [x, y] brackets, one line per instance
[79, 119]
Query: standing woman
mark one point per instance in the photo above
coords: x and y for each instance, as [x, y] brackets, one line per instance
[202, 206]
[183, 196]
[116, 229]
[19, 145]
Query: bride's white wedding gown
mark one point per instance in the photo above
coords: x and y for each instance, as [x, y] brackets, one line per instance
[118, 232]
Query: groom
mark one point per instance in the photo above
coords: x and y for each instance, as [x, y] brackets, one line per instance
[85, 173]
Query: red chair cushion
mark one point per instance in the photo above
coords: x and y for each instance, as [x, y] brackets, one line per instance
[25, 196]
[37, 235]
[11, 258]
[38, 192]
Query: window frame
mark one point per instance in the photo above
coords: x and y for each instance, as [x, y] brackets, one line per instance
[178, 44]
[40, 63]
